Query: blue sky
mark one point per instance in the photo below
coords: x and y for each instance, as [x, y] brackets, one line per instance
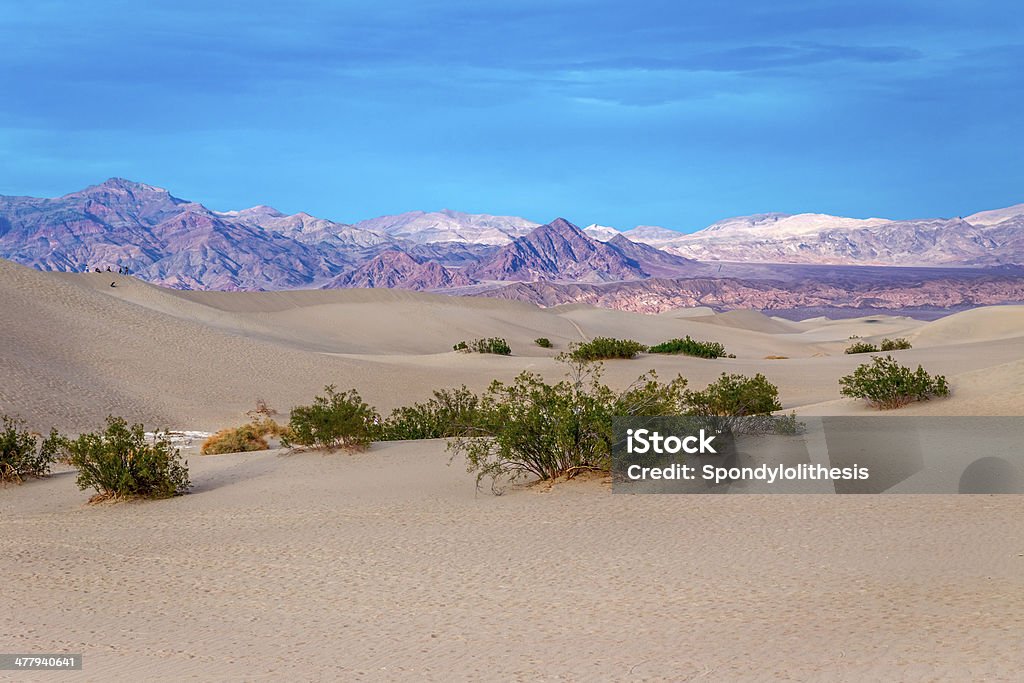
[663, 113]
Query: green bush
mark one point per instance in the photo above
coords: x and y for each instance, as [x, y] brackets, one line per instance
[898, 344]
[690, 347]
[861, 347]
[543, 342]
[547, 430]
[495, 345]
[119, 463]
[24, 454]
[335, 420]
[603, 348]
[886, 384]
[450, 413]
[248, 437]
[737, 403]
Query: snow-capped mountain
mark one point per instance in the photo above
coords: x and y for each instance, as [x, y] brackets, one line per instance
[824, 239]
[421, 227]
[180, 243]
[601, 233]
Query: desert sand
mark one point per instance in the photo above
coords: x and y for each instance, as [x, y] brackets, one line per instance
[389, 565]
[77, 349]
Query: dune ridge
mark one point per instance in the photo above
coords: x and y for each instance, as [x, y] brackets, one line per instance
[77, 349]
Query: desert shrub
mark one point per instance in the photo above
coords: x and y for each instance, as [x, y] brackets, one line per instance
[886, 384]
[450, 413]
[119, 463]
[495, 345]
[543, 342]
[552, 430]
[334, 420]
[736, 403]
[25, 454]
[861, 347]
[898, 344]
[690, 347]
[603, 348]
[248, 437]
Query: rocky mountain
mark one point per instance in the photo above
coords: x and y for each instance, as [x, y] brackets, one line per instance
[771, 260]
[396, 269]
[420, 227]
[209, 253]
[655, 262]
[179, 243]
[308, 229]
[161, 238]
[559, 251]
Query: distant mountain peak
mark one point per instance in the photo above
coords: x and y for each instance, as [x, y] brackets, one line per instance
[448, 226]
[123, 185]
[562, 225]
[601, 233]
[264, 210]
[995, 216]
[558, 250]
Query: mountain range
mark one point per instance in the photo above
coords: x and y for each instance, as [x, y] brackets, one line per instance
[179, 243]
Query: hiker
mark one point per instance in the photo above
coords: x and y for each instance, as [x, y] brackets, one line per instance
[108, 269]
[113, 284]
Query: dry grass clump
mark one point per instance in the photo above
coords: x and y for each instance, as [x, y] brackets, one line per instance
[776, 357]
[248, 437]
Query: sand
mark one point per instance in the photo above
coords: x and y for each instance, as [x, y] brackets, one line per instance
[77, 349]
[388, 565]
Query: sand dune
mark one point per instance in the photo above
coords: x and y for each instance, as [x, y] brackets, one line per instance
[76, 349]
[751, 320]
[976, 325]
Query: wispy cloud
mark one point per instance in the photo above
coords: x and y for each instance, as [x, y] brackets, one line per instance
[643, 98]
